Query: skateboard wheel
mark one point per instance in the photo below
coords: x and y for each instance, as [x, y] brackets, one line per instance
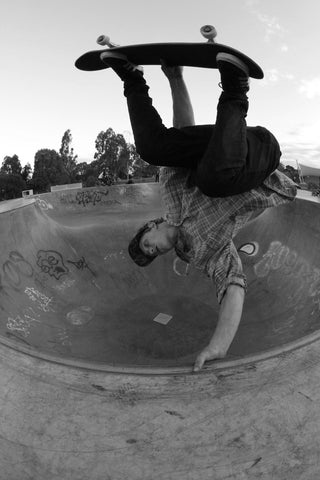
[103, 40]
[209, 32]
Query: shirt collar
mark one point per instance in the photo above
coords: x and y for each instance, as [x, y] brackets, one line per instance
[173, 219]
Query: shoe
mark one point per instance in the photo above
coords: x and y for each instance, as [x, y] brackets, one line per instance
[121, 65]
[234, 74]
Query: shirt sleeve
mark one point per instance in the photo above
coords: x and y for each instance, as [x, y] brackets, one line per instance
[281, 184]
[227, 270]
[172, 183]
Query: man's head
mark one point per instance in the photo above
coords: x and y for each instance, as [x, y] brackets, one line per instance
[155, 238]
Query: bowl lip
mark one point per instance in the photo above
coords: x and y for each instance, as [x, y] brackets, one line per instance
[145, 369]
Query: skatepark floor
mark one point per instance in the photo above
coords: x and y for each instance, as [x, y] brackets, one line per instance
[70, 290]
[96, 353]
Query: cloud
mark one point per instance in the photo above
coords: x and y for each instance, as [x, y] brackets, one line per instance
[307, 88]
[306, 133]
[273, 76]
[284, 48]
[310, 88]
[301, 143]
[308, 150]
[307, 154]
[251, 3]
[271, 24]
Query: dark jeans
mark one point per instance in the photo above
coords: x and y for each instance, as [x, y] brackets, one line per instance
[226, 158]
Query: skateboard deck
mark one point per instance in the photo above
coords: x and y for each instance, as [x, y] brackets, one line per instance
[201, 54]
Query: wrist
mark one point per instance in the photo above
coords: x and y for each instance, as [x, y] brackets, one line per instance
[217, 350]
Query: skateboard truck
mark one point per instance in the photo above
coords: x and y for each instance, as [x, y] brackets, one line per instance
[209, 32]
[105, 40]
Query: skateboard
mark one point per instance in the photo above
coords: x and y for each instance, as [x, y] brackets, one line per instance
[201, 54]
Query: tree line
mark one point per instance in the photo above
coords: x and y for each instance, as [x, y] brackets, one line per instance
[114, 159]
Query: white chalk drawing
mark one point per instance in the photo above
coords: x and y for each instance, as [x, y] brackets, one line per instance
[29, 313]
[40, 299]
[115, 255]
[64, 285]
[290, 275]
[277, 256]
[21, 324]
[80, 316]
[284, 326]
[63, 337]
[96, 284]
[251, 249]
[180, 267]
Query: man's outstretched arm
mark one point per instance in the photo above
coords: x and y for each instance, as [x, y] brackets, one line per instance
[228, 323]
[183, 115]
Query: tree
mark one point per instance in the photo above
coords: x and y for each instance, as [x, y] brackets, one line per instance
[112, 155]
[87, 173]
[48, 170]
[11, 186]
[132, 163]
[142, 168]
[11, 166]
[292, 173]
[80, 171]
[26, 173]
[123, 162]
[67, 155]
[91, 181]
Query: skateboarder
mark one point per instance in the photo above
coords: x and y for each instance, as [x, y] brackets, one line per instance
[214, 180]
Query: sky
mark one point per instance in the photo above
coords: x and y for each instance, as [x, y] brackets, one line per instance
[42, 93]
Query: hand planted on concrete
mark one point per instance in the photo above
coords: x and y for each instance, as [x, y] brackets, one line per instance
[206, 355]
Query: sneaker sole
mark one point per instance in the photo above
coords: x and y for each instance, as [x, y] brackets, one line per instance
[119, 56]
[106, 55]
[227, 57]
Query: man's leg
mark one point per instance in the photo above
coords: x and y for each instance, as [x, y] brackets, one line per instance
[227, 149]
[237, 158]
[155, 143]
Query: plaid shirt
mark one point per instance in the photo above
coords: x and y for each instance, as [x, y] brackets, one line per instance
[207, 225]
